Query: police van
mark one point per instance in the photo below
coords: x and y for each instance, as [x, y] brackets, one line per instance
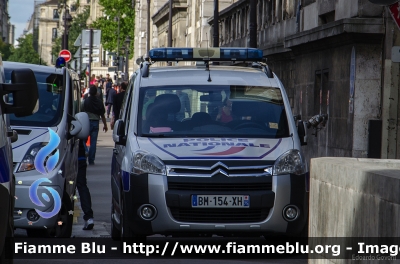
[24, 91]
[58, 116]
[211, 148]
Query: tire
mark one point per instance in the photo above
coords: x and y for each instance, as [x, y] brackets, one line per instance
[64, 230]
[127, 234]
[115, 233]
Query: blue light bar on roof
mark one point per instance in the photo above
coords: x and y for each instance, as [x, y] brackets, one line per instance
[204, 54]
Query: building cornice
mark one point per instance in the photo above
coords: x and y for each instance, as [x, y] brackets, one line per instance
[370, 28]
[163, 12]
[226, 11]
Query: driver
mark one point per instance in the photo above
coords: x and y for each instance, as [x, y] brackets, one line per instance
[225, 113]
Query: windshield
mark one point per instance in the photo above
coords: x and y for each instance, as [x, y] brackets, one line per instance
[50, 87]
[204, 111]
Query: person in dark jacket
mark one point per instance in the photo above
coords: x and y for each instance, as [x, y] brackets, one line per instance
[117, 104]
[94, 107]
[110, 99]
[81, 185]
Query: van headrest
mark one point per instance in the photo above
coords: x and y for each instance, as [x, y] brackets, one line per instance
[201, 119]
[168, 102]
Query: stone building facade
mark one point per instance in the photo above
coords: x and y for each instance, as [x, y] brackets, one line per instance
[51, 25]
[5, 25]
[333, 58]
[49, 29]
[189, 24]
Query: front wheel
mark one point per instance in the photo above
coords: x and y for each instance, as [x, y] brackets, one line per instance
[115, 233]
[127, 234]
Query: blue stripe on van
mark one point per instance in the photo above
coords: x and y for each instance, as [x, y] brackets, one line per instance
[126, 185]
[4, 166]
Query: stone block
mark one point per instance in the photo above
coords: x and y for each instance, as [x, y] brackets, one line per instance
[352, 197]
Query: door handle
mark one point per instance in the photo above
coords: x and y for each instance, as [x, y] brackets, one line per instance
[115, 151]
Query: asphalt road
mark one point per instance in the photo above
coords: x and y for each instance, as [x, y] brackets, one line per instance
[98, 177]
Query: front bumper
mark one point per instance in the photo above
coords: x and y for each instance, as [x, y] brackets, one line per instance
[153, 189]
[23, 203]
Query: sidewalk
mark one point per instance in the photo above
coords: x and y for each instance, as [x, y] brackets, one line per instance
[99, 178]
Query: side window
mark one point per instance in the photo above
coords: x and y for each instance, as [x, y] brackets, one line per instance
[127, 106]
[70, 97]
[76, 97]
[125, 100]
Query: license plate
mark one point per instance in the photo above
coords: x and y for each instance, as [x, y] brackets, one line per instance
[221, 201]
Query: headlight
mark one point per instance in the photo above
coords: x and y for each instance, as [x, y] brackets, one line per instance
[144, 162]
[28, 162]
[290, 162]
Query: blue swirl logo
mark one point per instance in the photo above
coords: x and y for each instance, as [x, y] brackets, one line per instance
[40, 166]
[35, 199]
[45, 152]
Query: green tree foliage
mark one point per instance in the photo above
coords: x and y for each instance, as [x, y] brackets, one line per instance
[25, 51]
[78, 23]
[5, 50]
[108, 24]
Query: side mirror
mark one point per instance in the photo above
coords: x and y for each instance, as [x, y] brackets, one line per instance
[25, 95]
[119, 132]
[81, 126]
[302, 131]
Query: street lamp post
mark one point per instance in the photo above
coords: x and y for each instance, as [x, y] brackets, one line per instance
[121, 61]
[67, 23]
[127, 43]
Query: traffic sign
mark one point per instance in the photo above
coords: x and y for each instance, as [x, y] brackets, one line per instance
[86, 38]
[77, 53]
[66, 54]
[94, 51]
[94, 59]
[395, 12]
[78, 41]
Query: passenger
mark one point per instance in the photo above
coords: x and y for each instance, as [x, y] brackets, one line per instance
[225, 114]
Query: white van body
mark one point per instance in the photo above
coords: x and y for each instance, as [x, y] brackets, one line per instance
[59, 103]
[24, 89]
[187, 175]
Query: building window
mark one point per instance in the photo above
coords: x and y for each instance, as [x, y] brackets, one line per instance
[54, 33]
[55, 14]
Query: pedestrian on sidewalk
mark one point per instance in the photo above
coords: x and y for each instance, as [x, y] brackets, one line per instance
[81, 185]
[110, 100]
[117, 103]
[94, 107]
